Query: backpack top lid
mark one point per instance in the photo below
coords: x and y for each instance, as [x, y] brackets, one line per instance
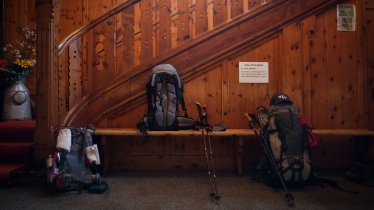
[165, 68]
[280, 99]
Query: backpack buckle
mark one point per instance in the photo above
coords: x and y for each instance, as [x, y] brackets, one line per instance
[296, 163]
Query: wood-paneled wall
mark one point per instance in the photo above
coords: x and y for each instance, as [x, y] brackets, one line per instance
[18, 14]
[328, 74]
[369, 61]
[145, 31]
[323, 71]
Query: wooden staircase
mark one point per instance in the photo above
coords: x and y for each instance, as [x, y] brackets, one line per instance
[16, 144]
[192, 59]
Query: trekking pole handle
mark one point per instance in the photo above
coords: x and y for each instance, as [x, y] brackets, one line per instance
[205, 117]
[247, 116]
[202, 113]
[251, 119]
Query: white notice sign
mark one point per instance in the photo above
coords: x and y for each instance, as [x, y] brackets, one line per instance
[253, 72]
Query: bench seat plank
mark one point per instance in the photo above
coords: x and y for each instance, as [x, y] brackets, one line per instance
[228, 132]
[343, 132]
[135, 132]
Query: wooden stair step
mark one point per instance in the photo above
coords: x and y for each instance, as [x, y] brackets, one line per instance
[17, 130]
[5, 170]
[12, 152]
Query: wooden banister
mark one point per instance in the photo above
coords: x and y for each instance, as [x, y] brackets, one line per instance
[83, 30]
[191, 60]
[71, 118]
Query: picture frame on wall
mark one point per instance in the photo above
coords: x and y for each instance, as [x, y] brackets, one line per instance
[346, 17]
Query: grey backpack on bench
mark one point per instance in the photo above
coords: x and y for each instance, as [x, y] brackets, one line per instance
[164, 94]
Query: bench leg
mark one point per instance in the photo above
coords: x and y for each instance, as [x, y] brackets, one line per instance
[107, 155]
[238, 141]
[363, 147]
[371, 150]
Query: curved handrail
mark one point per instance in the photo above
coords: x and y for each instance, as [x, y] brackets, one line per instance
[82, 30]
[71, 117]
[191, 72]
[146, 67]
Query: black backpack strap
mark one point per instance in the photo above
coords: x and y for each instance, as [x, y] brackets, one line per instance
[143, 126]
[335, 185]
[87, 133]
[154, 94]
[150, 90]
[180, 95]
[86, 142]
[183, 105]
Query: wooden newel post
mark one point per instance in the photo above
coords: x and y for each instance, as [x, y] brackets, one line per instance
[46, 77]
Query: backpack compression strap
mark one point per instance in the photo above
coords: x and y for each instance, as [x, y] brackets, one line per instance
[167, 68]
[180, 97]
[274, 110]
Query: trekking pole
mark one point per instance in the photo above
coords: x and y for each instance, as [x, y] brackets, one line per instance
[259, 134]
[207, 128]
[216, 196]
[212, 194]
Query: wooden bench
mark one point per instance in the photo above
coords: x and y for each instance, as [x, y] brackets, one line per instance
[236, 135]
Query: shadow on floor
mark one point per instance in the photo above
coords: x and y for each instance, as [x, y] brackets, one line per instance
[188, 190]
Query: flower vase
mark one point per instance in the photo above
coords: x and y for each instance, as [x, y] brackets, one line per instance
[16, 102]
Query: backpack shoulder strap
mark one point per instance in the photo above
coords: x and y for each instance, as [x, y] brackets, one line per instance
[291, 109]
[179, 88]
[180, 96]
[151, 91]
[274, 109]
